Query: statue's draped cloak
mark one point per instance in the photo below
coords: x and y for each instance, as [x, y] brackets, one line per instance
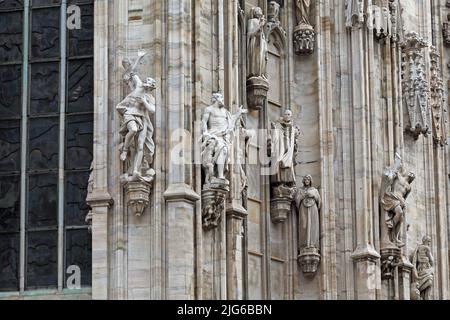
[283, 149]
[257, 49]
[308, 204]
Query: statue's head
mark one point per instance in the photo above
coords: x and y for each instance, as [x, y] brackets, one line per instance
[217, 97]
[126, 63]
[307, 181]
[257, 12]
[287, 116]
[150, 84]
[411, 177]
[273, 10]
[426, 240]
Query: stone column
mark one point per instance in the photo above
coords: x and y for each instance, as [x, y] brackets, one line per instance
[99, 198]
[365, 257]
[180, 197]
[325, 62]
[235, 212]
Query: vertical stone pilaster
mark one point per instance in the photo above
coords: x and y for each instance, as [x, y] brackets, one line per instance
[99, 198]
[365, 257]
[235, 212]
[235, 254]
[328, 221]
[180, 246]
[100, 252]
[180, 197]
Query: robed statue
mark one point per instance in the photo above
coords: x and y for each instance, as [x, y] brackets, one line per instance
[257, 46]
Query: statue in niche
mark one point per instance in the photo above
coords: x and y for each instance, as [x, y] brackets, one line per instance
[257, 46]
[283, 149]
[136, 126]
[308, 203]
[396, 186]
[302, 11]
[423, 272]
[218, 126]
[304, 35]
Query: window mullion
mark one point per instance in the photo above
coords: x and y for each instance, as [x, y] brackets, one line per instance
[62, 129]
[23, 143]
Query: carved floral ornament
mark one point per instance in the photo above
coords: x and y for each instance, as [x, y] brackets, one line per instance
[415, 85]
[437, 98]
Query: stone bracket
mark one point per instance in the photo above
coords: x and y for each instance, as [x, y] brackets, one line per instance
[304, 39]
[280, 204]
[257, 89]
[390, 259]
[138, 196]
[213, 207]
[309, 260]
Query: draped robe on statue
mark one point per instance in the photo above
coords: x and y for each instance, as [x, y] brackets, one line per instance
[257, 49]
[303, 8]
[283, 151]
[308, 204]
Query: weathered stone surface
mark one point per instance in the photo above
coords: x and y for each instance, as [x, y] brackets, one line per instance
[370, 86]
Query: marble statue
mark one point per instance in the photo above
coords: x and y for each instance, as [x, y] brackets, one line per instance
[218, 126]
[304, 35]
[257, 47]
[396, 186]
[308, 204]
[136, 126]
[302, 11]
[423, 272]
[283, 149]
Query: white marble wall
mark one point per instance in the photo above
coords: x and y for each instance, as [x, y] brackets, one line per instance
[344, 101]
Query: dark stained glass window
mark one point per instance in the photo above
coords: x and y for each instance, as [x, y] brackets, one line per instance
[45, 33]
[44, 88]
[9, 146]
[47, 122]
[10, 90]
[42, 259]
[11, 47]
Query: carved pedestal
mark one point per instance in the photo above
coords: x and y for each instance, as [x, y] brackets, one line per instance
[304, 39]
[138, 196]
[214, 239]
[257, 89]
[213, 203]
[309, 260]
[390, 259]
[280, 205]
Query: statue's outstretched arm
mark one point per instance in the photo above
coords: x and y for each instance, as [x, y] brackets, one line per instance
[141, 55]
